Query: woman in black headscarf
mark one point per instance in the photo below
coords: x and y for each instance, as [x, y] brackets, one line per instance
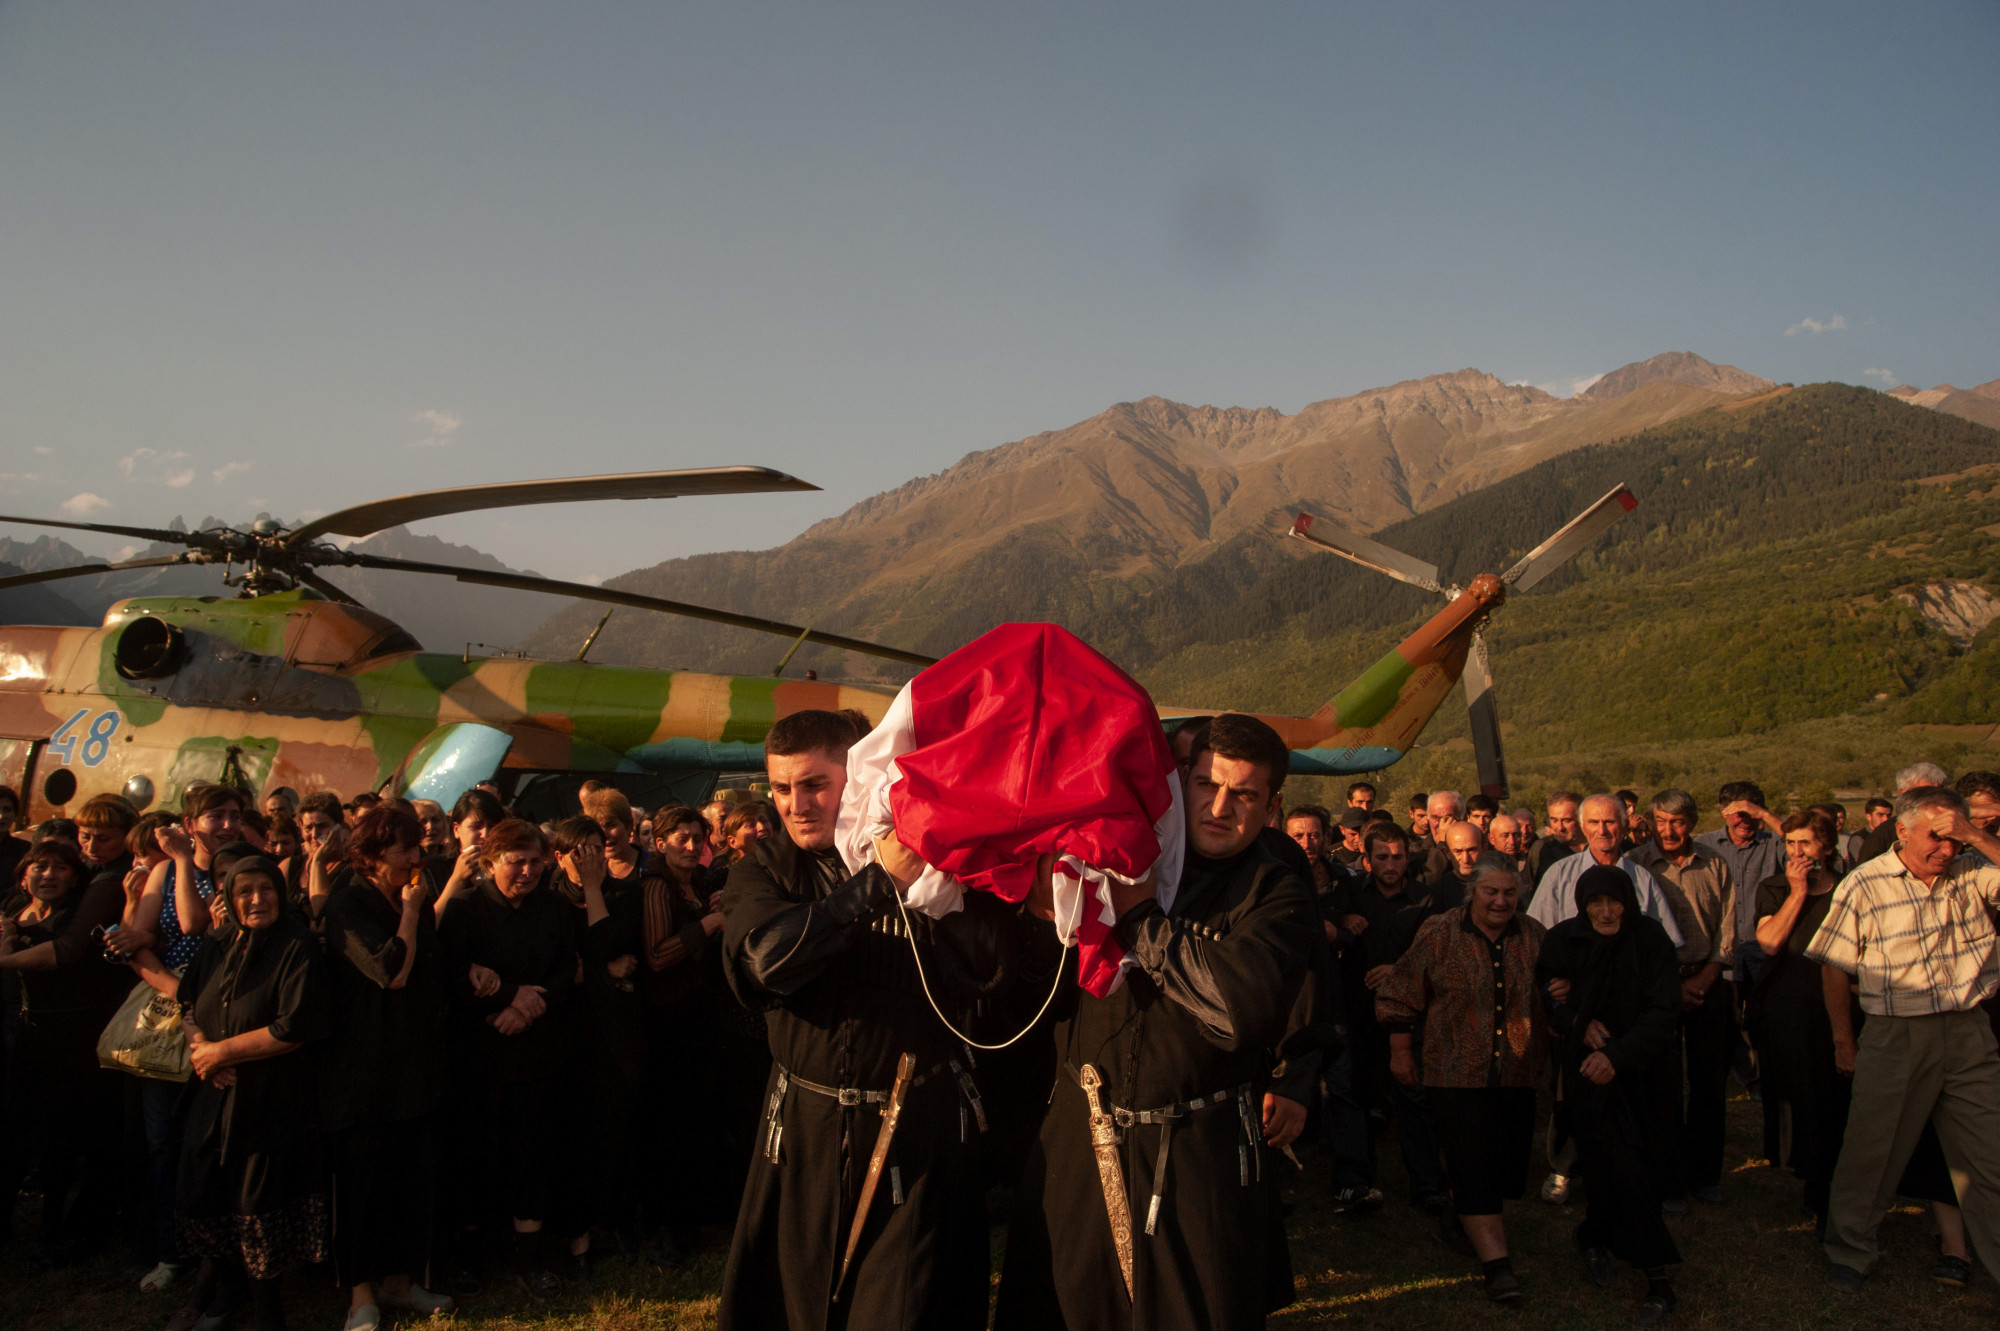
[1615, 982]
[251, 1194]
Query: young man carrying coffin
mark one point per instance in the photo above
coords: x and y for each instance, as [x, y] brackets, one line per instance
[1177, 1057]
[827, 956]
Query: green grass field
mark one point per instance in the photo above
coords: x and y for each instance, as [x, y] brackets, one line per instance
[1751, 1265]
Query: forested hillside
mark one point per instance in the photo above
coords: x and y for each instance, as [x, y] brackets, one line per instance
[1753, 599]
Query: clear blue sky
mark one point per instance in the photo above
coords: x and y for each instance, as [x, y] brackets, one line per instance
[311, 254]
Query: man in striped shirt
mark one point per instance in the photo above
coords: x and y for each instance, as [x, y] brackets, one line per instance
[1913, 931]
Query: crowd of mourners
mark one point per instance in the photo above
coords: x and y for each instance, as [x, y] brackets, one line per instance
[412, 1050]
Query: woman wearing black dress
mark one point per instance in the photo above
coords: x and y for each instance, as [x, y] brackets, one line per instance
[382, 1072]
[1788, 1008]
[1795, 1049]
[607, 1044]
[1618, 1054]
[511, 962]
[61, 992]
[251, 1194]
[683, 994]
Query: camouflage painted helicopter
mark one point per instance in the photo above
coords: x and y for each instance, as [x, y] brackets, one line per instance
[292, 682]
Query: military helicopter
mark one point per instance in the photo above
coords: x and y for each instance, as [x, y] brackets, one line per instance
[291, 682]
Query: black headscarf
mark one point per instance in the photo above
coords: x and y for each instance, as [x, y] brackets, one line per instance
[1618, 979]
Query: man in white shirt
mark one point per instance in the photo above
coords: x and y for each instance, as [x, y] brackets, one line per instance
[1603, 818]
[1913, 932]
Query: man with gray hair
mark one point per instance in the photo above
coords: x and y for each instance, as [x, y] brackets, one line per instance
[1703, 896]
[1603, 818]
[1442, 809]
[1913, 931]
[1882, 837]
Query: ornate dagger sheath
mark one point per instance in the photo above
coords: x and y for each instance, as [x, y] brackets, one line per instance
[1104, 1140]
[892, 1113]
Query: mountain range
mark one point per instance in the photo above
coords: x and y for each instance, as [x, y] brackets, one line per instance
[1090, 524]
[1980, 403]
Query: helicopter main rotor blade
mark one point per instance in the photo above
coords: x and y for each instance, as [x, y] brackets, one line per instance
[1367, 553]
[137, 533]
[365, 519]
[1577, 533]
[583, 591]
[83, 570]
[325, 587]
[1484, 716]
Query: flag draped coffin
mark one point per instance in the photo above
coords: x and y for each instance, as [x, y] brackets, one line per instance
[1025, 742]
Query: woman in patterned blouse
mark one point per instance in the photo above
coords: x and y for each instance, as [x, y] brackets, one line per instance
[1466, 992]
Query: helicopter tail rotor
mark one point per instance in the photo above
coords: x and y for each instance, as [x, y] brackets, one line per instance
[1483, 713]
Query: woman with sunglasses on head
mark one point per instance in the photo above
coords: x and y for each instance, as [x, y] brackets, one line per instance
[251, 1193]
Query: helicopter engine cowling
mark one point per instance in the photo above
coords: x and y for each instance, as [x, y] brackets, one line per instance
[149, 648]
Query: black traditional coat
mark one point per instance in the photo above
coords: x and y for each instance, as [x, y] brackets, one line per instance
[828, 958]
[1205, 1011]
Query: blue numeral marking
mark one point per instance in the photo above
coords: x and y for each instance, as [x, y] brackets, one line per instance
[62, 743]
[98, 746]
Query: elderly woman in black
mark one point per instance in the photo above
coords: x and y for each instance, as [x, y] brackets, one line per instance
[382, 1073]
[251, 1189]
[1614, 981]
[56, 1093]
[511, 962]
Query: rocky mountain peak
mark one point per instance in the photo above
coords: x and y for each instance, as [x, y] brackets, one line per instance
[1680, 367]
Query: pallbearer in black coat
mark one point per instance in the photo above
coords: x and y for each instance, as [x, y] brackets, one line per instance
[1183, 1049]
[828, 957]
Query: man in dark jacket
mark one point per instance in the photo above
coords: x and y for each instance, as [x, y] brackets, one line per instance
[828, 957]
[1183, 1049]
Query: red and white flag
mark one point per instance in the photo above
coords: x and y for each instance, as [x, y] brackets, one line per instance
[1025, 742]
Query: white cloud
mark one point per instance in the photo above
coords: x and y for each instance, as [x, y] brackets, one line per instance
[43, 450]
[83, 505]
[1836, 324]
[19, 477]
[157, 468]
[125, 552]
[1886, 376]
[1579, 385]
[439, 427]
[228, 469]
[594, 579]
